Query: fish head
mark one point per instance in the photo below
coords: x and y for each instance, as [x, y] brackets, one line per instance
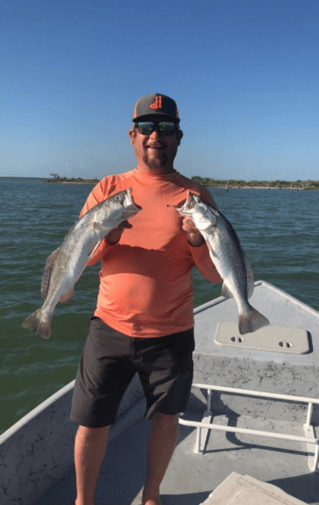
[130, 207]
[199, 211]
[187, 208]
[117, 208]
[123, 200]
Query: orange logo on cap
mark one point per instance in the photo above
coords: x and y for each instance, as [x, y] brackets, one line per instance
[157, 104]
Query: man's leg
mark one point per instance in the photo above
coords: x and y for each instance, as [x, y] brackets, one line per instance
[89, 451]
[161, 444]
[103, 376]
[166, 371]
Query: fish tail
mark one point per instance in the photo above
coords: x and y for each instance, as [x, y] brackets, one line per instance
[251, 321]
[36, 323]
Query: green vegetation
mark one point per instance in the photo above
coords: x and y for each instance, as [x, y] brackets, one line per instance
[78, 180]
[214, 183]
[231, 183]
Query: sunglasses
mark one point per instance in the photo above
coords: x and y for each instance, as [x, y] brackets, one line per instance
[164, 127]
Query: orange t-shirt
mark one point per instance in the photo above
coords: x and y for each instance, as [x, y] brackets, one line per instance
[145, 279]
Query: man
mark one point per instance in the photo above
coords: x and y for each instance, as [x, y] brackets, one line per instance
[143, 321]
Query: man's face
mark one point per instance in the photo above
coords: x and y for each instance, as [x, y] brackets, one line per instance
[155, 150]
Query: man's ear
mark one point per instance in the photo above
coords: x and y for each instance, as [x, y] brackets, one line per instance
[132, 134]
[179, 135]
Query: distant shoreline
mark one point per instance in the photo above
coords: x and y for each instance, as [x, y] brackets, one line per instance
[209, 183]
[222, 187]
[257, 184]
[69, 182]
[277, 185]
[49, 181]
[260, 187]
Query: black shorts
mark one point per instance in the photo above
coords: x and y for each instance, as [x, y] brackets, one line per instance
[110, 360]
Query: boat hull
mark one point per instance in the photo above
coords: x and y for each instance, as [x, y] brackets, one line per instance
[36, 453]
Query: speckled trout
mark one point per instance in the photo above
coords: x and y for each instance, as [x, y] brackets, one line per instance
[228, 257]
[66, 264]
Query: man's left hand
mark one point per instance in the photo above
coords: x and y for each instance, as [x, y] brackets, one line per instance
[194, 236]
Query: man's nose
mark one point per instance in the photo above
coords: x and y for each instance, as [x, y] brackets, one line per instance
[155, 134]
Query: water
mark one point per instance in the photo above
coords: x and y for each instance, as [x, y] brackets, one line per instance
[278, 231]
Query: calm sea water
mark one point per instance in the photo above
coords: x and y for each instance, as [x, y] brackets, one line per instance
[278, 231]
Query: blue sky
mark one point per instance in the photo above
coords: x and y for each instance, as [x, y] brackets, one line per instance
[244, 74]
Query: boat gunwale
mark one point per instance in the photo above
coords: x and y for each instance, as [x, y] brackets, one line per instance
[220, 299]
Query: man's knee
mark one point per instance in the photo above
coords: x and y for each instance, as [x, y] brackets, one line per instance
[165, 420]
[87, 433]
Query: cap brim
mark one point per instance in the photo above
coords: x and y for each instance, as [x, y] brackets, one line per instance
[166, 116]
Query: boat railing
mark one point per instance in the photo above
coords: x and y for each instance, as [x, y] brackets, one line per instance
[206, 425]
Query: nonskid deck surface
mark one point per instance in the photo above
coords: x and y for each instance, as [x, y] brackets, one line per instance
[192, 477]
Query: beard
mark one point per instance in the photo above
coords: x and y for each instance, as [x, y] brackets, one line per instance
[157, 161]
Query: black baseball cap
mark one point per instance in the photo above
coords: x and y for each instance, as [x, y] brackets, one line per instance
[156, 104]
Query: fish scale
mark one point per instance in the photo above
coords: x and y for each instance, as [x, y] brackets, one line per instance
[66, 264]
[228, 257]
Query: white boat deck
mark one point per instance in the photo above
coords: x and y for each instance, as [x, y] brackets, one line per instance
[192, 477]
[36, 454]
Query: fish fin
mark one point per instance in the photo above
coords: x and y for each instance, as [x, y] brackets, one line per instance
[226, 291]
[251, 322]
[249, 276]
[94, 248]
[45, 280]
[67, 297]
[35, 323]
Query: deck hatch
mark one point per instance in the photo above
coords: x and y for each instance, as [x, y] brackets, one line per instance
[269, 338]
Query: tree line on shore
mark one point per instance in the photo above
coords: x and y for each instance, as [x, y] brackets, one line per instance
[213, 183]
[79, 180]
[232, 183]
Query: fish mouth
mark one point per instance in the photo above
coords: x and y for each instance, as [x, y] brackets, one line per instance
[190, 201]
[129, 203]
[187, 205]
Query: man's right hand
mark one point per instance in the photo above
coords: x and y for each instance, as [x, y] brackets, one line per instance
[114, 236]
